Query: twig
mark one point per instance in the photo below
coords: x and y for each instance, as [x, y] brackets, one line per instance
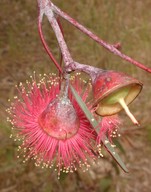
[40, 17]
[112, 48]
[70, 64]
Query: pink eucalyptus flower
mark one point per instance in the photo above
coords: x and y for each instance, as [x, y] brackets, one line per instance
[54, 129]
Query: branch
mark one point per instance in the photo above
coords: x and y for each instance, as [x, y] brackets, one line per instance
[109, 47]
[70, 64]
[47, 48]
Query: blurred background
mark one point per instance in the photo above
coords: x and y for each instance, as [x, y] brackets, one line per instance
[21, 53]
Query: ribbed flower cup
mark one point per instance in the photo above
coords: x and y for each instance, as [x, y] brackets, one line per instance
[59, 115]
[57, 118]
[53, 128]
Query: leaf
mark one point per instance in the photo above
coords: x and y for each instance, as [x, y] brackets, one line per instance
[119, 145]
[95, 125]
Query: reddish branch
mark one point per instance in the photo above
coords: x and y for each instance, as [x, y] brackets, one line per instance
[46, 7]
[47, 48]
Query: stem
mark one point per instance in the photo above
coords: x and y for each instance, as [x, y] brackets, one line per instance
[61, 57]
[70, 65]
[47, 48]
[48, 8]
[40, 17]
[109, 47]
[92, 71]
[65, 85]
[53, 21]
[59, 23]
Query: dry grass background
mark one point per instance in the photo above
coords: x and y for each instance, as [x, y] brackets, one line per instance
[21, 53]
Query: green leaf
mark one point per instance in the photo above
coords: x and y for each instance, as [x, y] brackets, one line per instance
[95, 125]
[119, 145]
